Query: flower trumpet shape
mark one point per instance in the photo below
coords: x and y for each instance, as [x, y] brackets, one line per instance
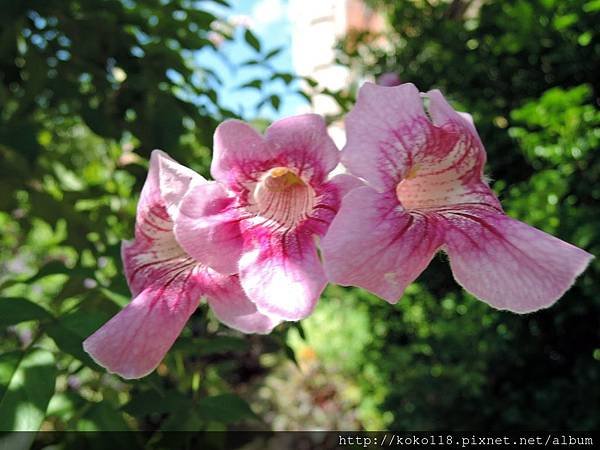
[426, 192]
[261, 220]
[166, 282]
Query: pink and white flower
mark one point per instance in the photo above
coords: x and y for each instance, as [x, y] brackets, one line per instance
[261, 220]
[166, 282]
[426, 192]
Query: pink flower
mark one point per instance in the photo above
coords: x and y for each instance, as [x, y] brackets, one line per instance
[166, 282]
[427, 193]
[389, 79]
[262, 219]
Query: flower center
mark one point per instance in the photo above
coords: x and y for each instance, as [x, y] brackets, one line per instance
[423, 190]
[283, 197]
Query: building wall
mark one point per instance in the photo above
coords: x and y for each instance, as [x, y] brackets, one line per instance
[317, 26]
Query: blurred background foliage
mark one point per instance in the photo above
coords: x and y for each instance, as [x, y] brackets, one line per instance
[88, 89]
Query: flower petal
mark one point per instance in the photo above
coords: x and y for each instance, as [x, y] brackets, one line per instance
[173, 179]
[155, 249]
[240, 152]
[207, 227]
[460, 154]
[232, 307]
[441, 113]
[345, 183]
[508, 264]
[133, 342]
[281, 272]
[375, 244]
[302, 142]
[385, 131]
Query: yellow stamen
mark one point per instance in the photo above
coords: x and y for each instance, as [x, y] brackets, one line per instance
[285, 177]
[412, 172]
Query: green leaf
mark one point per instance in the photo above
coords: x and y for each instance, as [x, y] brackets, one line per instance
[26, 386]
[16, 310]
[151, 401]
[273, 53]
[69, 332]
[250, 62]
[290, 354]
[256, 84]
[226, 408]
[565, 21]
[287, 78]
[592, 6]
[101, 417]
[116, 298]
[252, 40]
[212, 345]
[275, 101]
[51, 268]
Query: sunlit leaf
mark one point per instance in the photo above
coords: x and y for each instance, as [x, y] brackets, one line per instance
[27, 384]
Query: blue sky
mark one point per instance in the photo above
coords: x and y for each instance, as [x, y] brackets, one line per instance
[269, 20]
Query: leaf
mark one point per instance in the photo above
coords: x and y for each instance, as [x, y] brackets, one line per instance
[116, 298]
[250, 62]
[565, 21]
[226, 408]
[211, 346]
[101, 417]
[51, 268]
[290, 354]
[16, 310]
[275, 101]
[300, 329]
[311, 82]
[149, 402]
[592, 6]
[26, 386]
[287, 78]
[256, 84]
[69, 332]
[252, 40]
[276, 51]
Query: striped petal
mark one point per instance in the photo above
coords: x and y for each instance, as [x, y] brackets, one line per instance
[166, 283]
[207, 227]
[375, 244]
[281, 272]
[508, 264]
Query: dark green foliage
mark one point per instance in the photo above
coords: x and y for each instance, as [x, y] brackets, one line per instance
[528, 73]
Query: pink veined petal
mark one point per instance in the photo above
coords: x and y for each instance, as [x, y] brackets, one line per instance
[281, 272]
[386, 131]
[154, 246]
[389, 79]
[134, 342]
[302, 142]
[207, 227]
[327, 204]
[345, 183]
[232, 307]
[391, 141]
[144, 260]
[240, 154]
[441, 113]
[375, 244]
[173, 179]
[165, 186]
[463, 159]
[508, 264]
